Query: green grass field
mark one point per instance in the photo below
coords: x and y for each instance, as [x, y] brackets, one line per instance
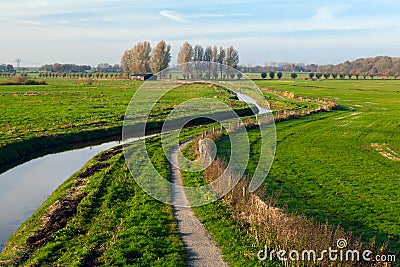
[63, 111]
[61, 107]
[343, 166]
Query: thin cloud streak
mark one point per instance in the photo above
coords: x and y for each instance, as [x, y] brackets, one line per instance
[172, 15]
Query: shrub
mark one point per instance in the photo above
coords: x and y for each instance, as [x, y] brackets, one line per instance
[272, 75]
[264, 75]
[89, 81]
[19, 79]
[33, 82]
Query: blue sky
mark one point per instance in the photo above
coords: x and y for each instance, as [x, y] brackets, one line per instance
[94, 31]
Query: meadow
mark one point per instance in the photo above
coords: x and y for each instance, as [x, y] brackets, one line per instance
[37, 119]
[342, 166]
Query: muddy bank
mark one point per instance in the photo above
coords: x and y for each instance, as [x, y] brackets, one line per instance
[61, 211]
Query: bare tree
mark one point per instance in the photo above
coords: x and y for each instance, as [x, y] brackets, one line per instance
[136, 60]
[141, 57]
[208, 58]
[160, 57]
[198, 56]
[198, 53]
[208, 54]
[185, 55]
[231, 58]
[214, 59]
[126, 61]
[221, 58]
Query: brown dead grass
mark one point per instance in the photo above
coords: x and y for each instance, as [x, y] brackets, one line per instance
[280, 230]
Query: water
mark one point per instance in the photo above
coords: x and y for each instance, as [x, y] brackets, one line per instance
[248, 99]
[25, 187]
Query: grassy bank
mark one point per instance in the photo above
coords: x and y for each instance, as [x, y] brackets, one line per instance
[100, 216]
[342, 166]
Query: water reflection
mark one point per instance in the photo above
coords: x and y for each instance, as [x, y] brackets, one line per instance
[25, 187]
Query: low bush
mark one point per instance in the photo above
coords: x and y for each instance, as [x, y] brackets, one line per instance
[23, 80]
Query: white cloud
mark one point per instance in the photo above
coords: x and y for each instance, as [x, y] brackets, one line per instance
[30, 23]
[329, 12]
[175, 16]
[323, 13]
[172, 15]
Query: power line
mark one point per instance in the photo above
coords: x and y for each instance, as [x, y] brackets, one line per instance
[18, 60]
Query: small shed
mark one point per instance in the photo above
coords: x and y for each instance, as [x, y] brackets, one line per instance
[143, 77]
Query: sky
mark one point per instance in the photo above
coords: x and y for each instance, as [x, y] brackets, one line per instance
[93, 31]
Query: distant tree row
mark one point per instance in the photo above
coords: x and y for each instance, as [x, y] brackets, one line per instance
[57, 67]
[228, 56]
[271, 75]
[7, 74]
[105, 67]
[98, 75]
[317, 75]
[377, 66]
[341, 76]
[279, 75]
[142, 59]
[278, 67]
[6, 68]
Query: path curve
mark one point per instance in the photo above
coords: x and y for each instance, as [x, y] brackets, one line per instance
[199, 245]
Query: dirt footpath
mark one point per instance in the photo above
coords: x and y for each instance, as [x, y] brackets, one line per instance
[200, 247]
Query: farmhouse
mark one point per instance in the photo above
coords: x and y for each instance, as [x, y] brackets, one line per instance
[143, 77]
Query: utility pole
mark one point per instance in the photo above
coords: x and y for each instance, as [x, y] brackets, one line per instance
[18, 60]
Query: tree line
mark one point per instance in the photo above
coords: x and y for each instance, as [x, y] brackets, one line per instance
[377, 66]
[98, 75]
[57, 67]
[74, 68]
[141, 58]
[6, 68]
[211, 54]
[341, 75]
[279, 75]
[362, 67]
